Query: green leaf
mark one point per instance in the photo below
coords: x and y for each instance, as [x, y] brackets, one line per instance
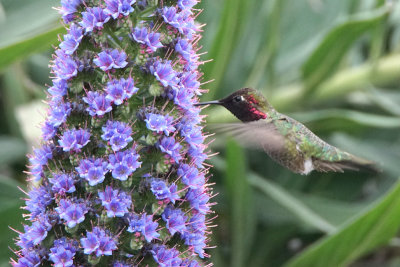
[266, 57]
[282, 197]
[12, 149]
[325, 59]
[291, 203]
[10, 214]
[242, 212]
[28, 46]
[30, 26]
[371, 229]
[224, 43]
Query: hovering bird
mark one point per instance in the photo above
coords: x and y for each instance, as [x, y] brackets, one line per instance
[284, 139]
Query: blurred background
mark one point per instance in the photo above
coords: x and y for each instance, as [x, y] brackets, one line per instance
[332, 64]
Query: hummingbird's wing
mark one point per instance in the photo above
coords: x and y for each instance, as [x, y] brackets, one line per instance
[257, 134]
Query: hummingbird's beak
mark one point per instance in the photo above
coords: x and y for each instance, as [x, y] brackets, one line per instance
[214, 102]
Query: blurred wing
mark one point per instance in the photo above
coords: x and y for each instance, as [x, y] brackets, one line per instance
[256, 134]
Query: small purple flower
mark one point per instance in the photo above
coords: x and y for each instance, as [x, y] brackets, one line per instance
[59, 88]
[62, 183]
[115, 202]
[93, 18]
[58, 113]
[198, 200]
[166, 257]
[160, 123]
[98, 103]
[117, 133]
[123, 163]
[93, 170]
[120, 90]
[150, 39]
[153, 41]
[37, 232]
[175, 220]
[31, 258]
[129, 86]
[99, 242]
[183, 98]
[164, 73]
[140, 35]
[182, 21]
[48, 131]
[143, 224]
[197, 241]
[189, 81]
[72, 40]
[63, 252]
[72, 211]
[39, 159]
[108, 60]
[193, 135]
[170, 16]
[121, 264]
[198, 222]
[190, 176]
[73, 140]
[169, 146]
[64, 66]
[186, 4]
[162, 191]
[115, 8]
[39, 199]
[186, 22]
[195, 234]
[198, 156]
[68, 8]
[190, 263]
[184, 48]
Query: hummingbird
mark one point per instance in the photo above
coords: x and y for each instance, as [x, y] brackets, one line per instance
[284, 139]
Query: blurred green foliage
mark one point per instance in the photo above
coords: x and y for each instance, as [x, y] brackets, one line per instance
[332, 64]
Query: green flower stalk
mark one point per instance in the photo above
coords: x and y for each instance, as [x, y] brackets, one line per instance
[120, 178]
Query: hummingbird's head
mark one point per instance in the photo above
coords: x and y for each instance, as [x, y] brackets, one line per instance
[246, 104]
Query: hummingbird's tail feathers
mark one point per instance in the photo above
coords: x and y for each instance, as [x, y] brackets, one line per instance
[361, 164]
[354, 164]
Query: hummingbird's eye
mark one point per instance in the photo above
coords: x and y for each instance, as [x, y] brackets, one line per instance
[238, 98]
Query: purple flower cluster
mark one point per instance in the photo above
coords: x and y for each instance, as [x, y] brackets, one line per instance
[118, 8]
[118, 91]
[111, 59]
[99, 242]
[63, 251]
[72, 211]
[74, 140]
[93, 18]
[123, 163]
[164, 192]
[143, 224]
[120, 176]
[115, 202]
[62, 183]
[93, 170]
[71, 40]
[98, 104]
[117, 133]
[159, 123]
[150, 39]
